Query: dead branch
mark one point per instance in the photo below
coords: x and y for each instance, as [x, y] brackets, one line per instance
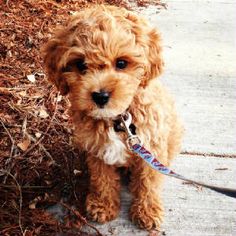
[20, 200]
[11, 138]
[81, 218]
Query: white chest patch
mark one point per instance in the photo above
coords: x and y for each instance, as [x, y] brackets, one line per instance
[114, 151]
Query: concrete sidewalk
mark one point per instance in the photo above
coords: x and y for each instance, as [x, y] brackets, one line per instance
[199, 50]
[199, 40]
[189, 211]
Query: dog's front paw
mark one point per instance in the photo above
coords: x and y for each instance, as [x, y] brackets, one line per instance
[147, 216]
[101, 210]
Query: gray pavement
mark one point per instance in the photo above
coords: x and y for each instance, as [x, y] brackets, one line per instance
[189, 211]
[199, 40]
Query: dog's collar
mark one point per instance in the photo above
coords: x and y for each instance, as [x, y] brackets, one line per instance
[117, 125]
[124, 123]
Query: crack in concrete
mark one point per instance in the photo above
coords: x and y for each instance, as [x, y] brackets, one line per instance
[223, 155]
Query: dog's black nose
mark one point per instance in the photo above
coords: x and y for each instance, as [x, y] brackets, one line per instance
[101, 98]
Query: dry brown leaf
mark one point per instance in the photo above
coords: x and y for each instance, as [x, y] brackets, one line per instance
[59, 98]
[24, 145]
[65, 117]
[31, 78]
[77, 172]
[37, 95]
[43, 113]
[6, 118]
[38, 135]
[34, 202]
[22, 93]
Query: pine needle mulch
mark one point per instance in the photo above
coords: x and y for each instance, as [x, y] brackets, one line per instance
[43, 177]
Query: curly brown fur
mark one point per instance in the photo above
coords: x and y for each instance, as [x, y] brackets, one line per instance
[81, 58]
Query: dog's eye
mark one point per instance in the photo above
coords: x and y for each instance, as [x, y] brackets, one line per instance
[81, 65]
[121, 64]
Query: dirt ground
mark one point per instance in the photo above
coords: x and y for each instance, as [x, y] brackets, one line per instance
[39, 166]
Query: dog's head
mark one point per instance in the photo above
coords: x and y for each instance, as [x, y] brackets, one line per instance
[101, 58]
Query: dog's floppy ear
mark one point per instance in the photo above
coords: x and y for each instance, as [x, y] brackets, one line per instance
[52, 51]
[148, 38]
[154, 57]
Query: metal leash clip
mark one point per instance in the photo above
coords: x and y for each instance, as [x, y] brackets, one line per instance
[126, 121]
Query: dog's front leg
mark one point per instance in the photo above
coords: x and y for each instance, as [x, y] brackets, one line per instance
[146, 209]
[103, 200]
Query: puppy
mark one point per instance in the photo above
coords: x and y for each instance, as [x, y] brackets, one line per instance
[107, 60]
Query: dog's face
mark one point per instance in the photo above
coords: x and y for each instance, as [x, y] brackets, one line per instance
[101, 58]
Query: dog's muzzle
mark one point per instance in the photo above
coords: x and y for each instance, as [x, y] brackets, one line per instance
[100, 98]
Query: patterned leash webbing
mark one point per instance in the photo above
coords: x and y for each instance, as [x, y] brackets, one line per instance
[155, 164]
[134, 144]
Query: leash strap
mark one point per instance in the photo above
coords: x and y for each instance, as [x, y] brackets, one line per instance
[135, 145]
[140, 151]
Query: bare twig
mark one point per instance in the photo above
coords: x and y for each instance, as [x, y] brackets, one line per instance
[20, 200]
[7, 4]
[26, 186]
[8, 228]
[24, 125]
[8, 90]
[12, 149]
[83, 219]
[41, 139]
[12, 140]
[4, 91]
[41, 147]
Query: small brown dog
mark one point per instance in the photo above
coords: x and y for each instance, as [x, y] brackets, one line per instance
[108, 59]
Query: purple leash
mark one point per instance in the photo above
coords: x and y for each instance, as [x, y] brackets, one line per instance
[135, 145]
